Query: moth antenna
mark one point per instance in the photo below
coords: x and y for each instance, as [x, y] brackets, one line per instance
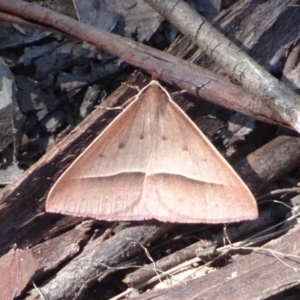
[134, 87]
[197, 88]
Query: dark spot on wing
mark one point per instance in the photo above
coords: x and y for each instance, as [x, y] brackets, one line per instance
[141, 136]
[163, 137]
[121, 145]
[185, 148]
[101, 155]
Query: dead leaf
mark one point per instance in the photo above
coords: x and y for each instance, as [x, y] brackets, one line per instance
[18, 266]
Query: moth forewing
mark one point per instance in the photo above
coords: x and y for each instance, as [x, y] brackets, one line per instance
[152, 162]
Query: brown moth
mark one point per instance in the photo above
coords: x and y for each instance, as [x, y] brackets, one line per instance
[152, 162]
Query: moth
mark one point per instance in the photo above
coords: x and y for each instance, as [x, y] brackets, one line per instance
[152, 162]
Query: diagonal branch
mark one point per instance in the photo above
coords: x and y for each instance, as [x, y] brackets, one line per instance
[251, 75]
[169, 68]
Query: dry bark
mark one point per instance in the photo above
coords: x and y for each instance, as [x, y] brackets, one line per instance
[97, 258]
[259, 275]
[166, 67]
